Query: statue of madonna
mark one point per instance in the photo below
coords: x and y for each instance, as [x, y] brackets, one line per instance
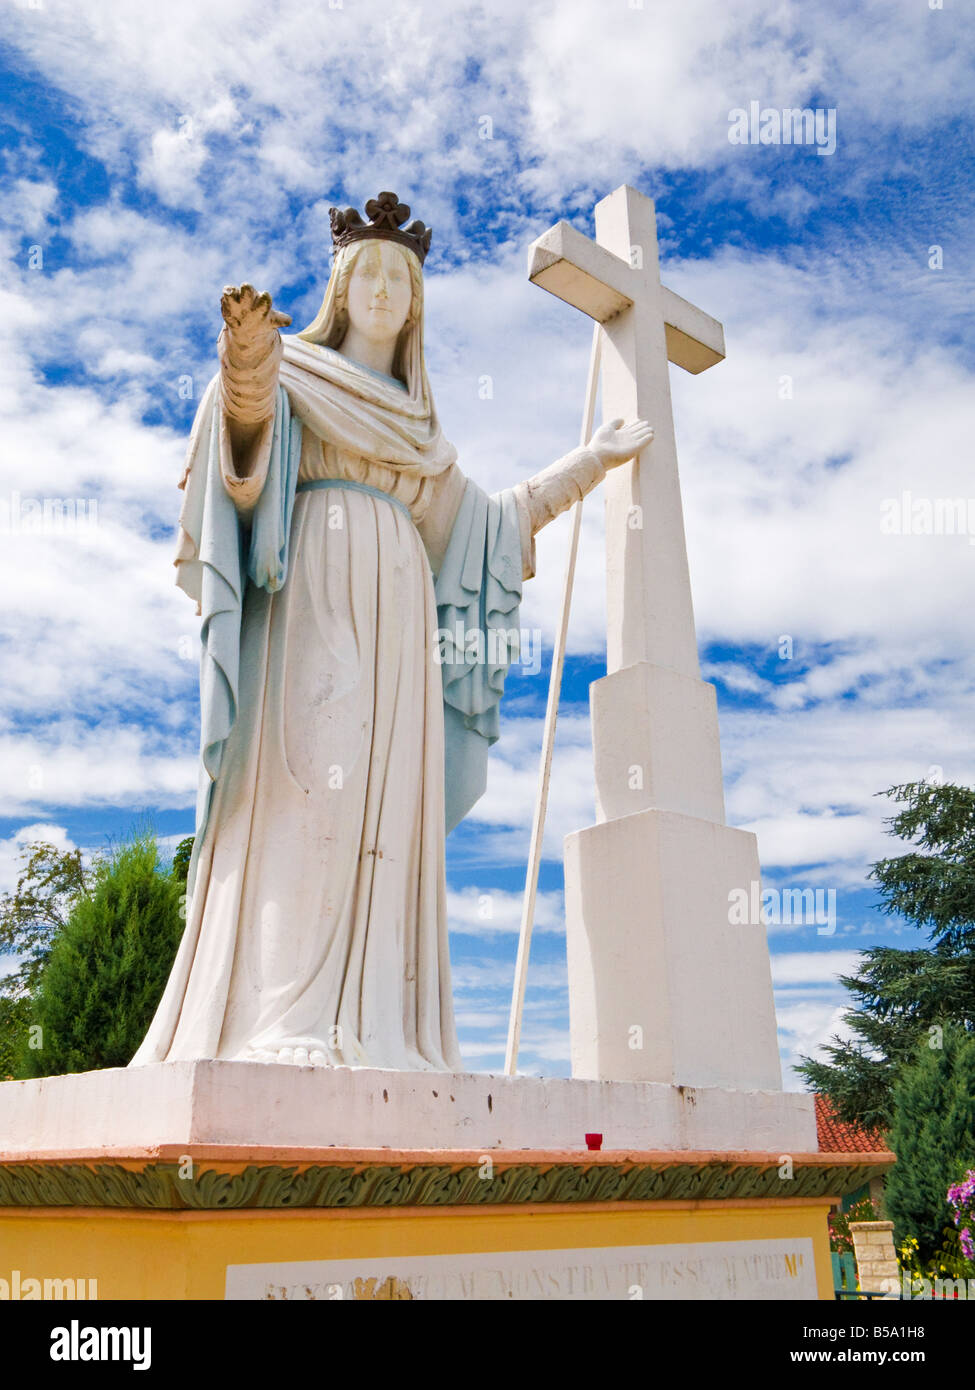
[330, 541]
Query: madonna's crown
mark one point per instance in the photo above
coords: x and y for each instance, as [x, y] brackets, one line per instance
[386, 217]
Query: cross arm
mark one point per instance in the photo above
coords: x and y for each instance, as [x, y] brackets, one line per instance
[580, 271]
[695, 341]
[593, 279]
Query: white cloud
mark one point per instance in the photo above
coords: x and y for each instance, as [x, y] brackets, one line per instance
[487, 975]
[810, 1003]
[111, 765]
[291, 92]
[804, 1025]
[812, 967]
[34, 202]
[13, 847]
[476, 911]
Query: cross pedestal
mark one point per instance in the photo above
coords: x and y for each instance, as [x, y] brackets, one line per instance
[661, 986]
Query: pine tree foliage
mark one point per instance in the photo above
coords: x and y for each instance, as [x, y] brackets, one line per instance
[901, 995]
[935, 890]
[933, 1135]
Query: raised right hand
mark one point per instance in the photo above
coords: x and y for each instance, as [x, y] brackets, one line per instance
[249, 316]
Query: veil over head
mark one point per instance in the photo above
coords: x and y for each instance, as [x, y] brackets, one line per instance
[349, 405]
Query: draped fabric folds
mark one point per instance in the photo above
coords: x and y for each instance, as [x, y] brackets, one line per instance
[348, 701]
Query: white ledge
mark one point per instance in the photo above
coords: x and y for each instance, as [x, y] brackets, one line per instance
[249, 1103]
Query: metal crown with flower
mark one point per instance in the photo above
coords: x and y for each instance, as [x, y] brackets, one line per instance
[386, 217]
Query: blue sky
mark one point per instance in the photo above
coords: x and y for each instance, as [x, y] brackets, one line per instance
[148, 163]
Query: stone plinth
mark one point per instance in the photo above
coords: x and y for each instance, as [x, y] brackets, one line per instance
[661, 987]
[210, 1180]
[250, 1103]
[263, 1222]
[877, 1267]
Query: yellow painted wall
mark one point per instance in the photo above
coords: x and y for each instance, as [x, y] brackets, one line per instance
[180, 1255]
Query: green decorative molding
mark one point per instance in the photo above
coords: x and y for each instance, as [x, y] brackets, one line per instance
[158, 1186]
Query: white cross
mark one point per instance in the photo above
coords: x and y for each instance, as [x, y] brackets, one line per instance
[616, 281]
[650, 946]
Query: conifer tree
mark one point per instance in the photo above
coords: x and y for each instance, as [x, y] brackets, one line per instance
[900, 995]
[933, 1135]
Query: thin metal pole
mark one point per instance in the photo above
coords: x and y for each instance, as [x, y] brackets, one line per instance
[548, 738]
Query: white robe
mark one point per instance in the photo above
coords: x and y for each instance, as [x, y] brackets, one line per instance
[326, 843]
[317, 926]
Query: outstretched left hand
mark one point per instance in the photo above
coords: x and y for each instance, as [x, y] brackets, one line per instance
[615, 443]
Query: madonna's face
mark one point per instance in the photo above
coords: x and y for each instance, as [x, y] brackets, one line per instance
[380, 291]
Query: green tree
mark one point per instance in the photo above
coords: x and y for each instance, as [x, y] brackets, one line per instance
[933, 1135]
[108, 965]
[14, 1022]
[181, 858]
[901, 995]
[50, 881]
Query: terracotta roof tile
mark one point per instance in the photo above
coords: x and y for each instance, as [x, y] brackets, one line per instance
[837, 1137]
